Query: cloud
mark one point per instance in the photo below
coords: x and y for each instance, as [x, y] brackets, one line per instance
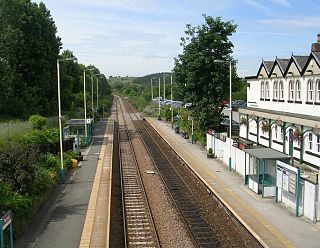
[258, 6]
[293, 22]
[282, 2]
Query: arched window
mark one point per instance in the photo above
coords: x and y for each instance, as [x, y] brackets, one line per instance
[275, 90]
[267, 90]
[310, 91]
[262, 90]
[298, 91]
[291, 90]
[281, 90]
[318, 91]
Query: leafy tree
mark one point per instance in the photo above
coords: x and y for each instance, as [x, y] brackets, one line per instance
[29, 48]
[201, 80]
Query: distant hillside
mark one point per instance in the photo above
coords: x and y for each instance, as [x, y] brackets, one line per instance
[145, 80]
[113, 80]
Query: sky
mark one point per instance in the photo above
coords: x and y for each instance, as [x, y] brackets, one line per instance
[140, 37]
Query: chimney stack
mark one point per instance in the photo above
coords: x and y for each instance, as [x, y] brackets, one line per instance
[316, 46]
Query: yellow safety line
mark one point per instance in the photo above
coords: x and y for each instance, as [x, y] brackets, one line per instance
[88, 224]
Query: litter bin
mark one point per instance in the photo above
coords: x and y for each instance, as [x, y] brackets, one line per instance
[74, 163]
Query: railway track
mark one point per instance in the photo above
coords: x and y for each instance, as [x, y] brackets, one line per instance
[203, 234]
[139, 227]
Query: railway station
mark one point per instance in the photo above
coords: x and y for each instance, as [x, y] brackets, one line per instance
[185, 150]
[138, 210]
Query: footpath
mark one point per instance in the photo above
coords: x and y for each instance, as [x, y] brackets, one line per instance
[272, 224]
[60, 222]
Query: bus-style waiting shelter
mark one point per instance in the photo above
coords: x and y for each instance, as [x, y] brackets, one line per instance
[261, 169]
[76, 128]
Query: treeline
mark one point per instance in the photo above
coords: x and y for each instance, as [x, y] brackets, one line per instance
[146, 80]
[29, 49]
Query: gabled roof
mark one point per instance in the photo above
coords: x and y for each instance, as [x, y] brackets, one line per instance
[313, 55]
[300, 61]
[282, 63]
[267, 65]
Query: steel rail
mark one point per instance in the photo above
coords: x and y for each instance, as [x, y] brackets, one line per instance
[132, 186]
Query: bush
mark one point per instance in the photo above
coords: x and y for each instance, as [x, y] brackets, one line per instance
[38, 122]
[19, 204]
[18, 165]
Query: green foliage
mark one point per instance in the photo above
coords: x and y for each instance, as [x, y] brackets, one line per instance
[38, 137]
[18, 165]
[201, 80]
[19, 204]
[37, 121]
[29, 49]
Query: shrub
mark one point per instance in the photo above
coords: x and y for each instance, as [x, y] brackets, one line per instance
[18, 165]
[37, 121]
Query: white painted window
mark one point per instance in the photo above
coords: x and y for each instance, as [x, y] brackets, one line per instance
[298, 91]
[275, 90]
[276, 132]
[318, 91]
[310, 141]
[291, 90]
[281, 90]
[281, 133]
[267, 90]
[318, 143]
[262, 90]
[310, 91]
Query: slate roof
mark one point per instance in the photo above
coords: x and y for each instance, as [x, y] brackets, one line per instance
[268, 65]
[283, 64]
[300, 61]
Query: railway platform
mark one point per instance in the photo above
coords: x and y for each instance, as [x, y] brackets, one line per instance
[271, 224]
[78, 212]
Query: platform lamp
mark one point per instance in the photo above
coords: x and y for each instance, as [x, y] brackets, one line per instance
[60, 116]
[230, 107]
[98, 75]
[85, 104]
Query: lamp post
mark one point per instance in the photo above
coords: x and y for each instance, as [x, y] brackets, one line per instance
[92, 107]
[159, 98]
[171, 103]
[85, 104]
[60, 117]
[151, 89]
[230, 108]
[164, 87]
[99, 74]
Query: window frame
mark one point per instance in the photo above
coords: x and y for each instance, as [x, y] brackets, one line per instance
[317, 91]
[310, 89]
[267, 90]
[281, 95]
[291, 91]
[298, 91]
[262, 90]
[318, 143]
[275, 90]
[310, 141]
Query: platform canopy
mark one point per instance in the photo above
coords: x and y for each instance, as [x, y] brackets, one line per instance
[266, 153]
[78, 122]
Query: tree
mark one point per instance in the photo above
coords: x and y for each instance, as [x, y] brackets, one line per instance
[29, 48]
[202, 81]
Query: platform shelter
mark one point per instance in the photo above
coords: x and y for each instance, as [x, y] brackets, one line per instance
[261, 169]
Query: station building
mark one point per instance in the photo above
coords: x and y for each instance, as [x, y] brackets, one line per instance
[283, 107]
[278, 148]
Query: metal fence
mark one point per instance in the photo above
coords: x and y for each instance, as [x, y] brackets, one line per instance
[10, 129]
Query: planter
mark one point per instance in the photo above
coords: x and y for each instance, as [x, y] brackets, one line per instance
[210, 155]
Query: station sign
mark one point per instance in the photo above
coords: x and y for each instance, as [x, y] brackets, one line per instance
[6, 219]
